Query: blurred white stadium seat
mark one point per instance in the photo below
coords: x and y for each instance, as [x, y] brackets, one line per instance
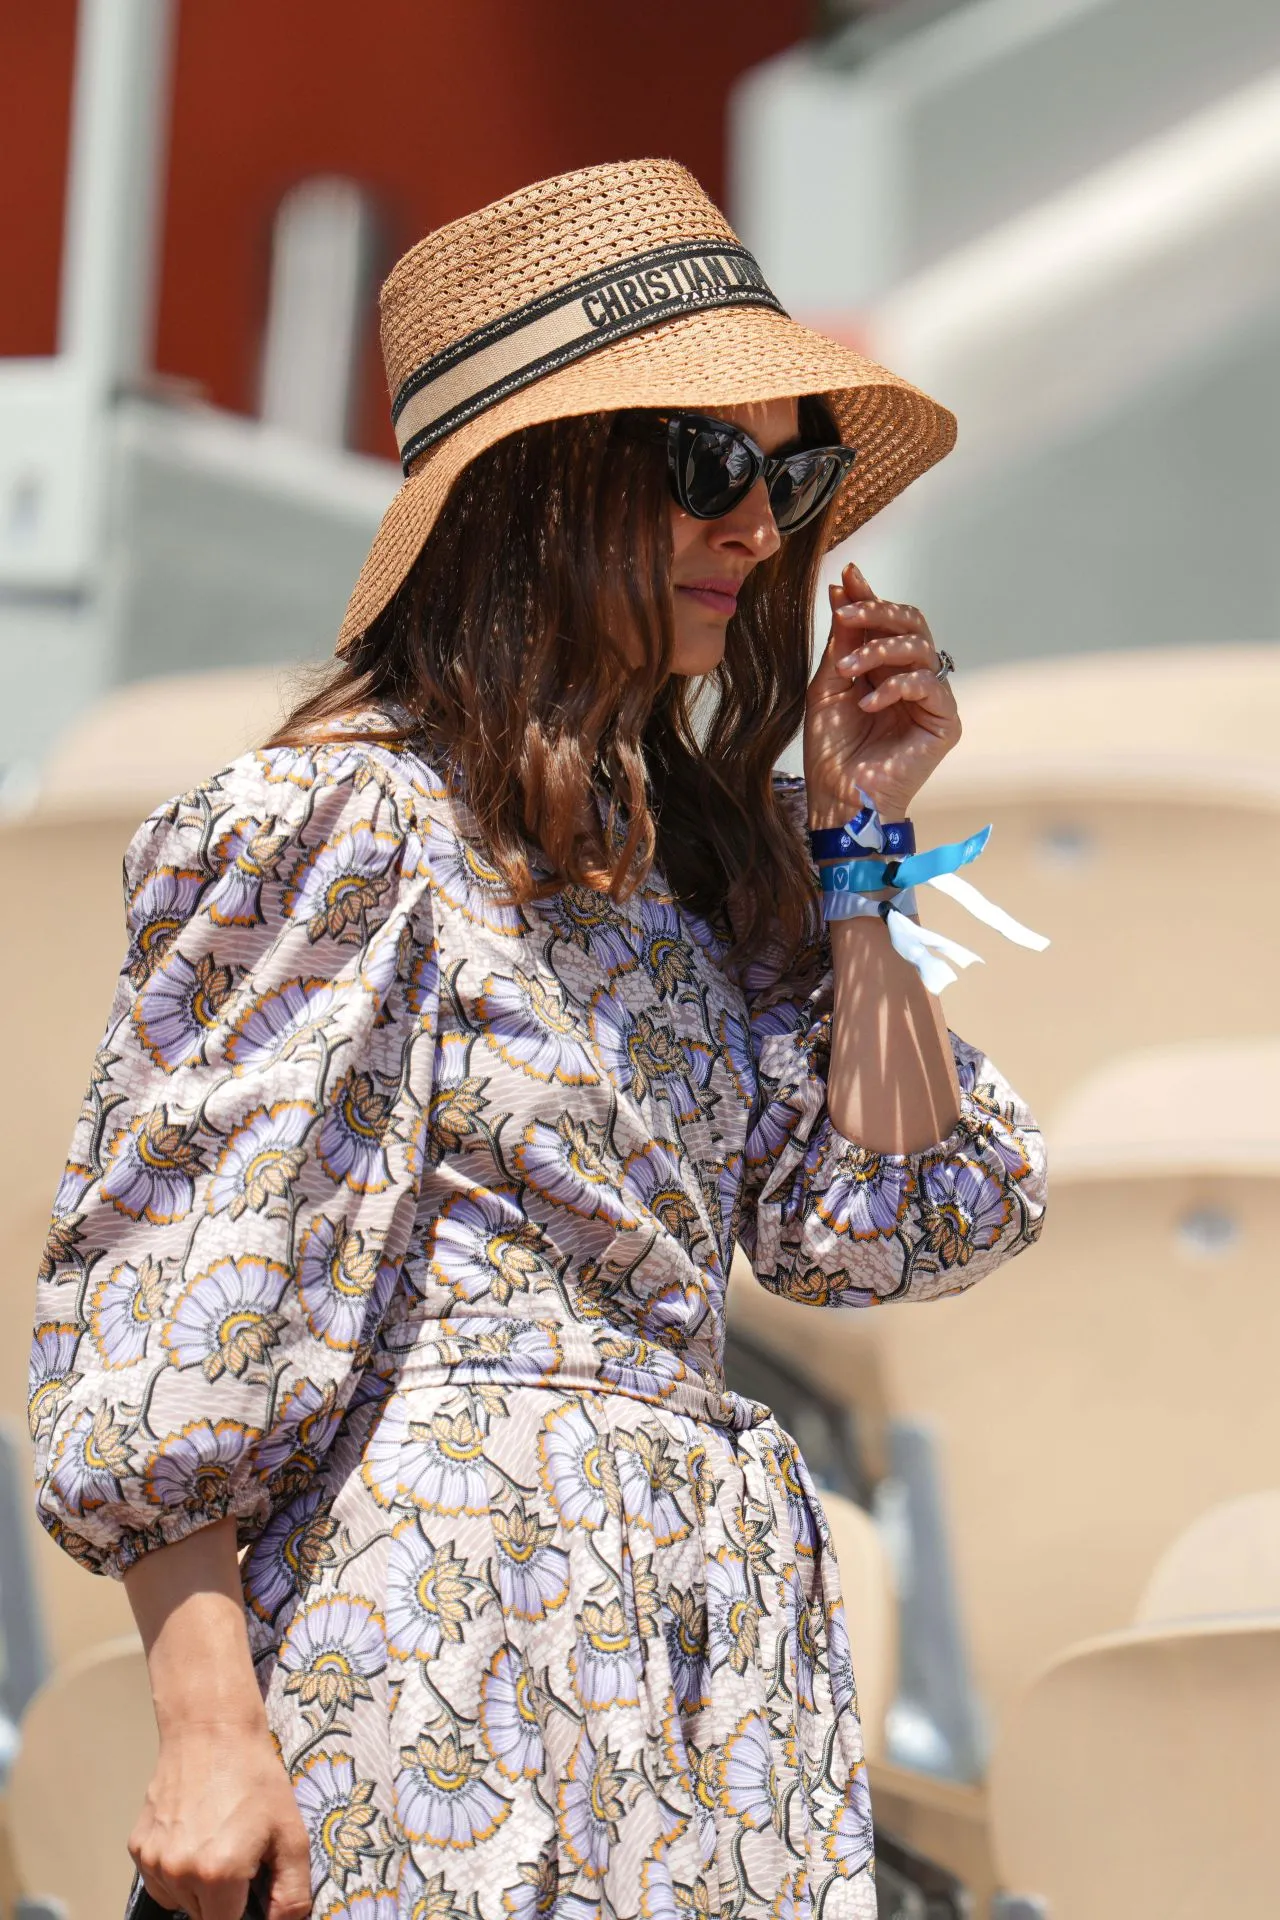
[78, 1783]
[1136, 813]
[1226, 1562]
[1093, 1398]
[1137, 1776]
[141, 743]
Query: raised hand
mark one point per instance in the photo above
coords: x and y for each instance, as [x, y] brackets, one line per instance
[877, 717]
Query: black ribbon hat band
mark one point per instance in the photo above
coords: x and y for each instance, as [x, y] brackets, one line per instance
[566, 324]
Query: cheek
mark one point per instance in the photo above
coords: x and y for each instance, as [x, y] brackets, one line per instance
[686, 532]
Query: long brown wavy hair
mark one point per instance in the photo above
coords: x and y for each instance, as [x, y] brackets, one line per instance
[506, 646]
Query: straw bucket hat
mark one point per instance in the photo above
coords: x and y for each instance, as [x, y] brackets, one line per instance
[614, 286]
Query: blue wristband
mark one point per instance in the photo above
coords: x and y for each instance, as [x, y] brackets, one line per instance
[897, 838]
[870, 876]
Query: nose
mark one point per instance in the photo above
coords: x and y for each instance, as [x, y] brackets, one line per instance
[749, 528]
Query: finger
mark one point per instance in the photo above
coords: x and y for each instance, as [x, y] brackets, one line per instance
[855, 583]
[917, 688]
[900, 650]
[891, 616]
[222, 1898]
[290, 1866]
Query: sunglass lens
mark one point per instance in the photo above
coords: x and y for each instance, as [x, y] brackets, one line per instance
[718, 468]
[803, 486]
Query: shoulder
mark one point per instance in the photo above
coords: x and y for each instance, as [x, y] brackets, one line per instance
[308, 792]
[325, 841]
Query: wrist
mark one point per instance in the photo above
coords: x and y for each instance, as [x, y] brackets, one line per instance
[827, 811]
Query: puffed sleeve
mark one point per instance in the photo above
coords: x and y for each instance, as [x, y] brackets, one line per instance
[826, 1220]
[245, 1168]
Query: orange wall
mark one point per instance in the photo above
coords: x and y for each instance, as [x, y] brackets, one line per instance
[435, 105]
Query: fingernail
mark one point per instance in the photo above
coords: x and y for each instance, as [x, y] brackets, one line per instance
[868, 699]
[846, 613]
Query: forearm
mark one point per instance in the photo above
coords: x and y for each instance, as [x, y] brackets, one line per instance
[891, 1081]
[186, 1599]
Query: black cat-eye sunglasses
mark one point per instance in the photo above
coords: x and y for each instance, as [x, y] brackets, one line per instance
[712, 465]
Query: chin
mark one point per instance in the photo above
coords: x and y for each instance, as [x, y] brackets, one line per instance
[696, 653]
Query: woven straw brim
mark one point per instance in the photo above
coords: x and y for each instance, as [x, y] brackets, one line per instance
[721, 358]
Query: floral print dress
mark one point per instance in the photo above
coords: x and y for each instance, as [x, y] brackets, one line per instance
[396, 1224]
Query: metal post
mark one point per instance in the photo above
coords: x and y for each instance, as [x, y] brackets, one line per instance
[21, 1625]
[119, 128]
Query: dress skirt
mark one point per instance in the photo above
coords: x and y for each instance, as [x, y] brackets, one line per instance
[531, 1652]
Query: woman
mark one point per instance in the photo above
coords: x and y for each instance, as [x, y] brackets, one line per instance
[463, 1029]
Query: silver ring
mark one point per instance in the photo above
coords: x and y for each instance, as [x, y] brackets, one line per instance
[945, 665]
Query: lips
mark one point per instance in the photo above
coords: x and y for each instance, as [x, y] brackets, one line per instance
[720, 596]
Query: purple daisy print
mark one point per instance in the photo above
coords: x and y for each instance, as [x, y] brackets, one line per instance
[158, 907]
[839, 1659]
[532, 1572]
[684, 1627]
[226, 1319]
[591, 922]
[294, 1547]
[341, 1282]
[53, 1354]
[91, 1459]
[736, 1051]
[850, 1842]
[262, 1158]
[651, 1480]
[509, 1720]
[567, 1164]
[337, 1809]
[351, 1143]
[858, 1192]
[307, 1418]
[482, 1246]
[733, 1612]
[751, 1780]
[151, 1169]
[640, 1367]
[442, 1797]
[604, 1660]
[336, 886]
[435, 1462]
[645, 1058]
[466, 880]
[244, 857]
[590, 1805]
[282, 1022]
[195, 1468]
[664, 952]
[528, 1022]
[125, 1305]
[428, 1592]
[332, 1650]
[964, 1207]
[178, 1009]
[770, 1127]
[484, 1346]
[578, 1470]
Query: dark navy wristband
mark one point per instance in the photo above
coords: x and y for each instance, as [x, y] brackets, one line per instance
[837, 843]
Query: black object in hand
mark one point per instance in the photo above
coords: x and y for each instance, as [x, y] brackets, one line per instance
[142, 1906]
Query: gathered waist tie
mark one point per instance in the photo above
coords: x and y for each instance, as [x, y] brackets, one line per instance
[500, 1349]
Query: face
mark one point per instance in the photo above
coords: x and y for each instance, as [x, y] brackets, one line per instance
[710, 559]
